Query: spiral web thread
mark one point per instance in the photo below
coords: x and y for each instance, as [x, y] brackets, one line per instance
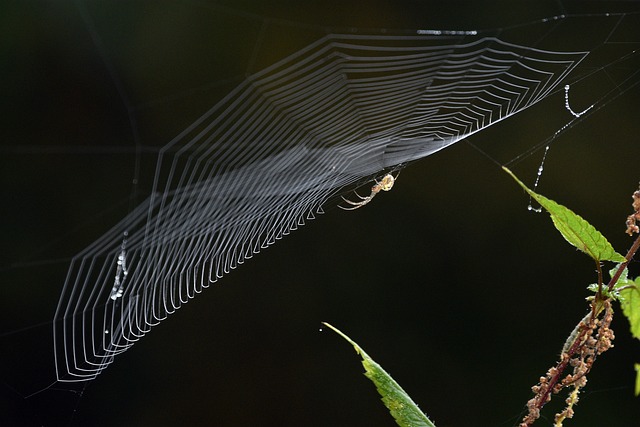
[268, 156]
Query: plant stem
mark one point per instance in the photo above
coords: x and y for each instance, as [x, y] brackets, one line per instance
[560, 367]
[632, 251]
[600, 284]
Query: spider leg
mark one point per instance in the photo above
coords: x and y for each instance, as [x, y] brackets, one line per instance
[359, 204]
[355, 205]
[350, 209]
[362, 198]
[363, 202]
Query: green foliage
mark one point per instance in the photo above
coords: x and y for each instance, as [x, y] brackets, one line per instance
[630, 301]
[402, 408]
[574, 228]
[585, 237]
[579, 233]
[627, 291]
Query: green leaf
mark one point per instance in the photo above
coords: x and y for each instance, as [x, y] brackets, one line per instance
[402, 408]
[574, 228]
[630, 302]
[629, 297]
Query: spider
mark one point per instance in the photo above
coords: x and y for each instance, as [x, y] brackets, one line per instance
[385, 184]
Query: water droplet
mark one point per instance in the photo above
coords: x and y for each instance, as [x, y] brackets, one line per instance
[532, 209]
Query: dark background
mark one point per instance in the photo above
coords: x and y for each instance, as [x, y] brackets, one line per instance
[448, 281]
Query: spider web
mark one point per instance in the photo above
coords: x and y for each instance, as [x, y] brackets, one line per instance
[282, 145]
[272, 153]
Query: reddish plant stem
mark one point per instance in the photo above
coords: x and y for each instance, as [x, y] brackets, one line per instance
[632, 251]
[599, 271]
[566, 358]
[560, 367]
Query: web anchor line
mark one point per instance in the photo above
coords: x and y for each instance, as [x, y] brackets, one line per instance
[530, 207]
[535, 184]
[546, 150]
[568, 107]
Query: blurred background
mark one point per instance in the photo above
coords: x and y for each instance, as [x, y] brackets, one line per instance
[448, 281]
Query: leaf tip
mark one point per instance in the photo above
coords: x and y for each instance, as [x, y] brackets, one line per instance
[343, 335]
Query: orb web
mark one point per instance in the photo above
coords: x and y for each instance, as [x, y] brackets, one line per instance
[273, 154]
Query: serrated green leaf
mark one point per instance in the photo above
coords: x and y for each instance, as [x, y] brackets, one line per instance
[402, 408]
[630, 302]
[575, 229]
[629, 297]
